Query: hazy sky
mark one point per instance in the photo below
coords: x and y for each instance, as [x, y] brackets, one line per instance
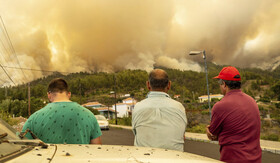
[108, 35]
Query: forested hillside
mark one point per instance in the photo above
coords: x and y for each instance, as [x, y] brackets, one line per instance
[87, 86]
[264, 86]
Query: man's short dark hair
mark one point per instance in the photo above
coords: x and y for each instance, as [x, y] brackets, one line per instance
[232, 84]
[158, 80]
[58, 85]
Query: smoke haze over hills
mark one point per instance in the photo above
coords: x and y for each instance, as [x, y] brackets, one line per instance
[98, 35]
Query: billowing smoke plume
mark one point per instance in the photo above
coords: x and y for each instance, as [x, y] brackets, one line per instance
[108, 35]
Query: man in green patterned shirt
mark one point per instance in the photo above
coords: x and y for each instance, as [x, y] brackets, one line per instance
[63, 121]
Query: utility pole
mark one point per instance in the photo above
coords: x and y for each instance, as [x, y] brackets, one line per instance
[204, 57]
[29, 112]
[209, 105]
[116, 116]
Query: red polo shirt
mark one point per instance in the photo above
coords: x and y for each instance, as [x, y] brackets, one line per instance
[236, 122]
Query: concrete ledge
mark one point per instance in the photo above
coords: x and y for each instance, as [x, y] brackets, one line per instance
[120, 126]
[266, 145]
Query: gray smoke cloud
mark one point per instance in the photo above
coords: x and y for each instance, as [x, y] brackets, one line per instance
[98, 35]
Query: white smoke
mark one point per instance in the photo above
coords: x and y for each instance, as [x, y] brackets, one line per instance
[131, 34]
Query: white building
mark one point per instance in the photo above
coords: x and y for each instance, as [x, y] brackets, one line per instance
[93, 105]
[129, 100]
[125, 108]
[204, 98]
[108, 112]
[125, 95]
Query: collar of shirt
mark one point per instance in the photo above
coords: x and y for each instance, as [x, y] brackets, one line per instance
[157, 94]
[233, 91]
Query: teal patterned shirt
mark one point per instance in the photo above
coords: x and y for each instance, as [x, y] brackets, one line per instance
[63, 122]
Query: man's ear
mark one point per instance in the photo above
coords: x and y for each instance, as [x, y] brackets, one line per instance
[49, 96]
[169, 85]
[224, 85]
[69, 95]
[148, 85]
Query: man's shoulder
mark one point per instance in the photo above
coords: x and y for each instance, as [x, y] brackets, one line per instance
[42, 110]
[165, 102]
[225, 102]
[64, 104]
[71, 103]
[72, 107]
[248, 96]
[220, 104]
[80, 108]
[169, 99]
[141, 104]
[175, 102]
[37, 114]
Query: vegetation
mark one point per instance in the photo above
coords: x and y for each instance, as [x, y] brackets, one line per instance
[200, 128]
[125, 121]
[8, 118]
[94, 111]
[263, 86]
[272, 137]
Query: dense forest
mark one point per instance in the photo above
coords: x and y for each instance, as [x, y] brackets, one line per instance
[262, 85]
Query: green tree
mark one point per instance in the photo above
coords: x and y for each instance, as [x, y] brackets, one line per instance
[264, 99]
[249, 92]
[276, 90]
[94, 111]
[255, 86]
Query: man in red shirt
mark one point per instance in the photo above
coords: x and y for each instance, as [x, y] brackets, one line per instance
[235, 121]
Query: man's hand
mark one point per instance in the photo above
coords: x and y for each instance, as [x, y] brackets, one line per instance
[96, 141]
[210, 135]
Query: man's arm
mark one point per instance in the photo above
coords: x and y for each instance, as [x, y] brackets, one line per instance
[210, 135]
[27, 125]
[133, 121]
[96, 140]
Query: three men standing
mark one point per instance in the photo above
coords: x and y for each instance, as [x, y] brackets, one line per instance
[159, 121]
[235, 121]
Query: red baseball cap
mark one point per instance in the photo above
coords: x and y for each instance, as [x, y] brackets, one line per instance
[229, 73]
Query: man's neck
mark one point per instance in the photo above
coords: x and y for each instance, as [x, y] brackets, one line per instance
[155, 90]
[61, 100]
[60, 97]
[229, 90]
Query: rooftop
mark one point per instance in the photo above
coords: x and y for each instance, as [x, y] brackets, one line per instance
[212, 95]
[92, 103]
[105, 109]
